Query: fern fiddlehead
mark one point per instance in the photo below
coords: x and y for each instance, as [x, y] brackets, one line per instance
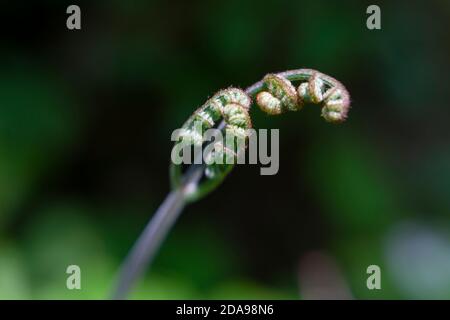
[275, 95]
[228, 110]
[231, 106]
[281, 96]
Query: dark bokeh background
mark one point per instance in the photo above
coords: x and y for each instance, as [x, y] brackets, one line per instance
[85, 124]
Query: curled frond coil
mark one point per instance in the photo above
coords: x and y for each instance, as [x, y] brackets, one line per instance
[231, 106]
[279, 95]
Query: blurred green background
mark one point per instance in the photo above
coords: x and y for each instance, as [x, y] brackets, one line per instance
[85, 124]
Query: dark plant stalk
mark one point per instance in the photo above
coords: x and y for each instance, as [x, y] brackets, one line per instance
[153, 235]
[144, 250]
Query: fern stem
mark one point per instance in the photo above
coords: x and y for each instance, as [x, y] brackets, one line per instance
[151, 238]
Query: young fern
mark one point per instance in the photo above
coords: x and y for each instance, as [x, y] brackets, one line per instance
[228, 110]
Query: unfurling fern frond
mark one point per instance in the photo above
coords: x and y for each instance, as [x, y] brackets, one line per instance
[227, 110]
[275, 95]
[280, 95]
